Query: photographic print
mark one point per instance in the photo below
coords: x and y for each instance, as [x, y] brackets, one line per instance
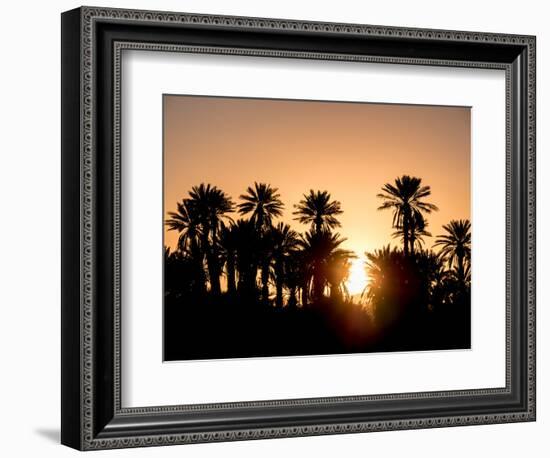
[271, 229]
[303, 227]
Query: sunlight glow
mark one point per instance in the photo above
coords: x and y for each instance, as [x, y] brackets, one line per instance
[357, 279]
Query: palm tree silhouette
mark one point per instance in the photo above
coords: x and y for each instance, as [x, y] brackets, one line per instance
[263, 202]
[317, 209]
[377, 265]
[186, 222]
[405, 198]
[456, 246]
[211, 206]
[319, 247]
[284, 240]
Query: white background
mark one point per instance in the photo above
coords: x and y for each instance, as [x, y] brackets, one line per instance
[30, 242]
[147, 76]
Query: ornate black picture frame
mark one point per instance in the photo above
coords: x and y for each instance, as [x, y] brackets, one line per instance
[92, 42]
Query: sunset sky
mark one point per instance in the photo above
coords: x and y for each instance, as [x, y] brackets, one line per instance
[348, 149]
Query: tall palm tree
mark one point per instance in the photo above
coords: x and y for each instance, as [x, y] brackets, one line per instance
[456, 246]
[317, 209]
[264, 202]
[284, 240]
[405, 198]
[211, 205]
[417, 232]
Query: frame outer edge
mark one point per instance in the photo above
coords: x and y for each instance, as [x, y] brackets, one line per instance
[71, 325]
[88, 227]
[88, 15]
[308, 26]
[531, 229]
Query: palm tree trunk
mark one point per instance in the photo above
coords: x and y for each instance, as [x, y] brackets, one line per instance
[214, 274]
[279, 293]
[406, 226]
[460, 269]
[335, 293]
[265, 279]
[211, 263]
[214, 265]
[198, 263]
[318, 283]
[230, 265]
[304, 295]
[246, 285]
[279, 283]
[200, 279]
[318, 225]
[292, 299]
[240, 279]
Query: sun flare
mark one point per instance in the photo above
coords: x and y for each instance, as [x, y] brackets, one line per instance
[357, 279]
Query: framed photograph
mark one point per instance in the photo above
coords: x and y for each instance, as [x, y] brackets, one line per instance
[278, 228]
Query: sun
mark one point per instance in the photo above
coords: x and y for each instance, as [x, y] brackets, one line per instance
[357, 279]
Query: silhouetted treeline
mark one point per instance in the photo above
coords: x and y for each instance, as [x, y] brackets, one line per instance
[252, 286]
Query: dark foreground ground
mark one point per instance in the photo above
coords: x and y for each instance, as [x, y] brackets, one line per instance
[218, 329]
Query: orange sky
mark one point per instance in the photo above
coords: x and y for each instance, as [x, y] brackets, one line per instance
[349, 149]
